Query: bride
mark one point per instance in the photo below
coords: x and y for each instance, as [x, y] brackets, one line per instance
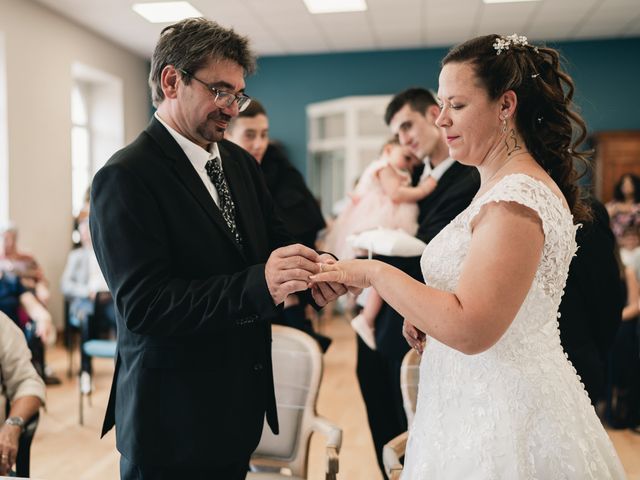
[498, 398]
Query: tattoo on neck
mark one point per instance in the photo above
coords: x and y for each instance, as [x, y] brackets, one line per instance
[511, 143]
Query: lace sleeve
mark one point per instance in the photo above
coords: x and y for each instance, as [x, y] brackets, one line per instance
[557, 224]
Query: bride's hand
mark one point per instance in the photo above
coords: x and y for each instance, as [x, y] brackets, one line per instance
[356, 274]
[414, 337]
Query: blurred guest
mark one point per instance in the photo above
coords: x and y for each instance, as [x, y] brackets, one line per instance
[624, 209]
[22, 391]
[23, 264]
[293, 201]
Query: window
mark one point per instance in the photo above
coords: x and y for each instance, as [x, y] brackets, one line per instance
[97, 126]
[80, 146]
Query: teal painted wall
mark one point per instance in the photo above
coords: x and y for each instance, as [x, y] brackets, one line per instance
[607, 76]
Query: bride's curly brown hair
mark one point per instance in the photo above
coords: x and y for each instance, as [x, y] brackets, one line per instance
[551, 129]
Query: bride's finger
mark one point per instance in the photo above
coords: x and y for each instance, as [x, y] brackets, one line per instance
[326, 276]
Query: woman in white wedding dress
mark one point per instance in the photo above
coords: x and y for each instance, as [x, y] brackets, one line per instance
[498, 398]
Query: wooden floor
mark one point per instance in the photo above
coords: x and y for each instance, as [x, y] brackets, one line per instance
[63, 449]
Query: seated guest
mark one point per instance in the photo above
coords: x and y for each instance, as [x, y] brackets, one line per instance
[38, 328]
[82, 281]
[294, 203]
[22, 264]
[20, 387]
[84, 286]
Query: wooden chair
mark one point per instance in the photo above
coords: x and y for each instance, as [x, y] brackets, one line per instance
[297, 371]
[394, 449]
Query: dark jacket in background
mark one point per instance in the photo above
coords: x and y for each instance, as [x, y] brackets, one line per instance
[591, 307]
[294, 202]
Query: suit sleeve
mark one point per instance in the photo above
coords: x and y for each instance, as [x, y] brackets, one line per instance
[130, 239]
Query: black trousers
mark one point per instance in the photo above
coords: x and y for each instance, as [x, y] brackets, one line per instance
[132, 471]
[379, 379]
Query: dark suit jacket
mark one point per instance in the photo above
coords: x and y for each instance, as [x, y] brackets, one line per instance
[453, 194]
[591, 307]
[295, 204]
[193, 376]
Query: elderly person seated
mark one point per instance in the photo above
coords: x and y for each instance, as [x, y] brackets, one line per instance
[20, 387]
[23, 264]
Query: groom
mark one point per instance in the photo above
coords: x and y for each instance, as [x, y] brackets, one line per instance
[198, 264]
[411, 115]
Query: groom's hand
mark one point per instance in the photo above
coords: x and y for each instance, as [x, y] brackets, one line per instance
[414, 337]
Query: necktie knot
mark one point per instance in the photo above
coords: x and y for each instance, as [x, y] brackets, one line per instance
[227, 207]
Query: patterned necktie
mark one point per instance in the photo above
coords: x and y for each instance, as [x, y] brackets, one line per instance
[227, 208]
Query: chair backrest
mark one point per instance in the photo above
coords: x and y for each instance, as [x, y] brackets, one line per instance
[297, 371]
[409, 375]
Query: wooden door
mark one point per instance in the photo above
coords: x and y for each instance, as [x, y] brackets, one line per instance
[617, 153]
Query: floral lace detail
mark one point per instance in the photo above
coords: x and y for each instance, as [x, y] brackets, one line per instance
[517, 410]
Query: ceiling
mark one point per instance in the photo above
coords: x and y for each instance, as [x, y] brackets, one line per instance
[282, 27]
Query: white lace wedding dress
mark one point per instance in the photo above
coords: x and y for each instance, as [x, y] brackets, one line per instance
[517, 410]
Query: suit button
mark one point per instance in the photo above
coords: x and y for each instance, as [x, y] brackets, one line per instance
[258, 366]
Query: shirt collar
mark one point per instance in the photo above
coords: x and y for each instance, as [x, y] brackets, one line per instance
[197, 155]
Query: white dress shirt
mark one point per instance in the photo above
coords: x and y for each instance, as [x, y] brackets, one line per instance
[198, 157]
[435, 172]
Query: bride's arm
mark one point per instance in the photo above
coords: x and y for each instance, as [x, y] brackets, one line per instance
[497, 273]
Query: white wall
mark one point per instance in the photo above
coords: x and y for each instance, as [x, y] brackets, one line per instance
[40, 49]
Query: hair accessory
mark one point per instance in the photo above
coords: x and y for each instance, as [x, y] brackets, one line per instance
[535, 75]
[503, 43]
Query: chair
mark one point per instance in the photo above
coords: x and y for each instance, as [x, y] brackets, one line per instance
[91, 347]
[395, 448]
[297, 371]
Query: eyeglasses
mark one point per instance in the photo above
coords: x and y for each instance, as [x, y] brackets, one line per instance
[221, 98]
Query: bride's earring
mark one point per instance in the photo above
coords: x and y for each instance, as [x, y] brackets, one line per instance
[504, 124]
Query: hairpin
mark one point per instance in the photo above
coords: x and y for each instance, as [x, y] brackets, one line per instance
[503, 43]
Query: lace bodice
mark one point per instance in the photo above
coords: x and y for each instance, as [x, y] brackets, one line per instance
[517, 410]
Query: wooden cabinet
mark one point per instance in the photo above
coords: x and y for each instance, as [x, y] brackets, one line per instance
[616, 153]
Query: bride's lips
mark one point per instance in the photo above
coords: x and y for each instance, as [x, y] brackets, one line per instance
[451, 139]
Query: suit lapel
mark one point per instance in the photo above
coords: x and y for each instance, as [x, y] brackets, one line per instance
[189, 177]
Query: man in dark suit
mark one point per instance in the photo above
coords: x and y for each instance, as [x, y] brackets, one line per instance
[198, 264]
[411, 115]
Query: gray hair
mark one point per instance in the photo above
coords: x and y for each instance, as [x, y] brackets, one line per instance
[190, 44]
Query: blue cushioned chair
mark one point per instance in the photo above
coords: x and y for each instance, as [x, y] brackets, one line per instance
[91, 347]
